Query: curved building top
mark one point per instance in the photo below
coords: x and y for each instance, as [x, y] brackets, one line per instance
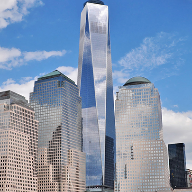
[136, 81]
[94, 1]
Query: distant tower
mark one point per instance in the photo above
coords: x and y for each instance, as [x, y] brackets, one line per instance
[61, 162]
[96, 90]
[141, 155]
[177, 165]
[18, 144]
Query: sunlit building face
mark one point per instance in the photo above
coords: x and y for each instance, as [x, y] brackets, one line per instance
[141, 152]
[18, 144]
[61, 162]
[96, 90]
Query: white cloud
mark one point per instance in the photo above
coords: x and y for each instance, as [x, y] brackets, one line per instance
[121, 76]
[8, 82]
[26, 84]
[12, 11]
[70, 72]
[177, 128]
[9, 58]
[8, 54]
[41, 55]
[153, 52]
[25, 79]
[13, 57]
[158, 57]
[23, 88]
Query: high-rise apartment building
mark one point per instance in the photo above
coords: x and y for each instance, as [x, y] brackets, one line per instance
[18, 144]
[141, 155]
[177, 165]
[61, 162]
[96, 90]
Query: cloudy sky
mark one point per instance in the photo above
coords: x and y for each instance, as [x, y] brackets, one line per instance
[148, 38]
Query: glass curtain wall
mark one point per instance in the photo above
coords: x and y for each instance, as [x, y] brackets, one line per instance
[96, 90]
[57, 106]
[141, 152]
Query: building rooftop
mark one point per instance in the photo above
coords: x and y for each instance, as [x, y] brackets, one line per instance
[15, 98]
[55, 73]
[10, 94]
[136, 81]
[176, 144]
[94, 1]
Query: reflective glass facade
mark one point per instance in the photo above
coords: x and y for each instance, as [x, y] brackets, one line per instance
[96, 90]
[141, 155]
[177, 165]
[61, 162]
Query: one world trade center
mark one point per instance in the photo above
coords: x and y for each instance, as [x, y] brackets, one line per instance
[96, 90]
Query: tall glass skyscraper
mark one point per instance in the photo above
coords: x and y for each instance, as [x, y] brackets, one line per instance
[61, 162]
[142, 161]
[177, 165]
[96, 90]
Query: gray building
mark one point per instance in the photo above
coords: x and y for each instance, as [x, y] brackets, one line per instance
[61, 162]
[141, 154]
[177, 165]
[18, 144]
[96, 90]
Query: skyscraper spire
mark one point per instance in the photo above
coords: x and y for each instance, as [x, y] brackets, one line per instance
[94, 1]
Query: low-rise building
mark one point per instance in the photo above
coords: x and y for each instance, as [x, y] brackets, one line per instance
[189, 177]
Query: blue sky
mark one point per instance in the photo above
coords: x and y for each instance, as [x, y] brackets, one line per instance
[150, 38]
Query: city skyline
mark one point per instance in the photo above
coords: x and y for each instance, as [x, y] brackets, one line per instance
[46, 37]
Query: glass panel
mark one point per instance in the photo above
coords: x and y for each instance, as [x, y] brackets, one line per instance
[96, 90]
[140, 146]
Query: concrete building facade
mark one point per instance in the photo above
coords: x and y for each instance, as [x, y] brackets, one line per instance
[18, 144]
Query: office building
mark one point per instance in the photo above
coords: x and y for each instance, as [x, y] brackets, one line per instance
[61, 162]
[177, 165]
[18, 144]
[96, 90]
[141, 155]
